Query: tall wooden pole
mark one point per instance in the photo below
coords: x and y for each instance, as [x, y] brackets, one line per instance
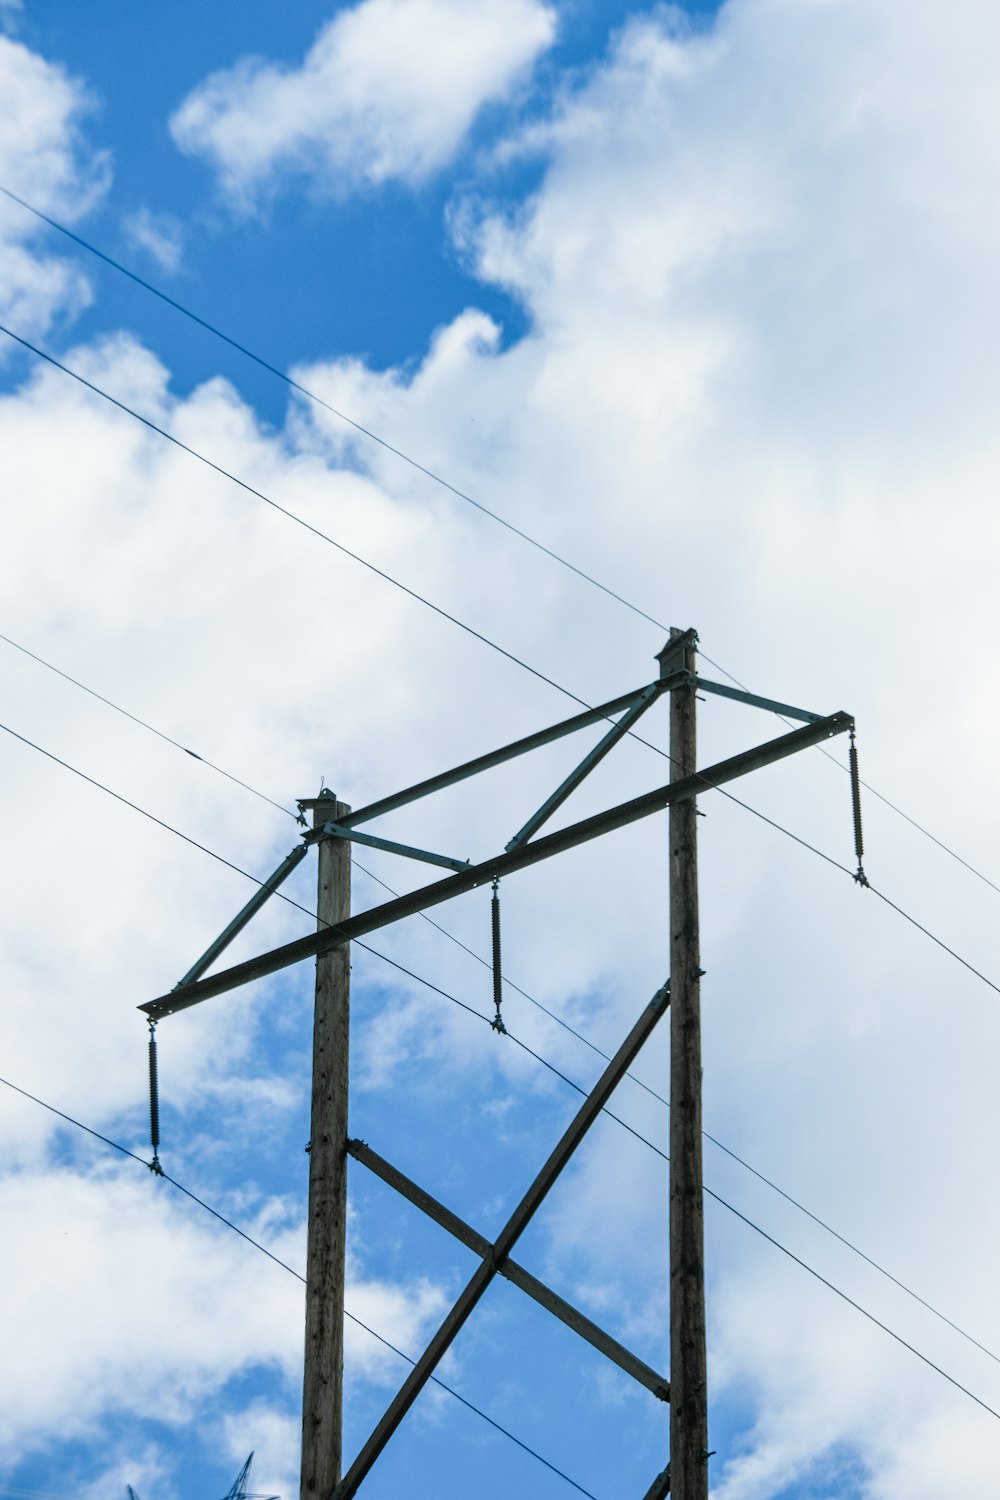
[322, 1394]
[688, 1360]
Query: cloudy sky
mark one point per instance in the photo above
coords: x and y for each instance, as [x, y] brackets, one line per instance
[703, 300]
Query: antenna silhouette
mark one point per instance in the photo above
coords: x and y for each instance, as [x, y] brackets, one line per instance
[237, 1491]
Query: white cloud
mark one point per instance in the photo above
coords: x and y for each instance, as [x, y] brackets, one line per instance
[757, 397]
[43, 159]
[389, 90]
[160, 235]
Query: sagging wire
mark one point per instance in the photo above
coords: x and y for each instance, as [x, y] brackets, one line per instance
[497, 1022]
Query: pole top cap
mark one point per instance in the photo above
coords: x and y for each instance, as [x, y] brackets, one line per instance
[671, 657]
[325, 798]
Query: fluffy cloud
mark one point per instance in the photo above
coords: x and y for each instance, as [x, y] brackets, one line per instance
[388, 90]
[42, 159]
[756, 397]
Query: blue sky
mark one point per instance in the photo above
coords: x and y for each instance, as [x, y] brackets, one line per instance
[706, 302]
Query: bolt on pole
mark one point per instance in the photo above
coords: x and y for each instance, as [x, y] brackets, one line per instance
[323, 1381]
[688, 1359]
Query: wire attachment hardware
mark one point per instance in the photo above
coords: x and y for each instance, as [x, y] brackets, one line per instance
[497, 1022]
[859, 845]
[154, 1104]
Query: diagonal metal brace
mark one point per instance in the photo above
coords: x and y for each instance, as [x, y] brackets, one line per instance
[742, 696]
[635, 710]
[514, 1273]
[242, 917]
[660, 1487]
[511, 1232]
[342, 831]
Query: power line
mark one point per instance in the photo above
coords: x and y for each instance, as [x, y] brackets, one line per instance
[868, 787]
[319, 401]
[821, 1223]
[437, 989]
[381, 573]
[439, 479]
[651, 1145]
[290, 514]
[771, 1240]
[133, 805]
[559, 1020]
[216, 1214]
[142, 723]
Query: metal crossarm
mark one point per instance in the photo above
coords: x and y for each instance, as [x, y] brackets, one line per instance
[513, 1272]
[511, 1232]
[503, 864]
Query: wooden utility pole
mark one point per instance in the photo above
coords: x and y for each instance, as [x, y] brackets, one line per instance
[334, 827]
[322, 1395]
[688, 1359]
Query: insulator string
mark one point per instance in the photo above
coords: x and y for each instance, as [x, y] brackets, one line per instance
[859, 843]
[154, 1103]
[497, 1022]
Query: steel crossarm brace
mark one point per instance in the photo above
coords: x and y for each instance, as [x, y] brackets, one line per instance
[514, 1273]
[496, 757]
[742, 696]
[600, 750]
[660, 1487]
[507, 1238]
[343, 831]
[268, 888]
[500, 865]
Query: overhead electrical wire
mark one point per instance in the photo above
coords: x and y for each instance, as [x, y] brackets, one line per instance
[302, 390]
[518, 661]
[545, 1063]
[142, 723]
[216, 1214]
[283, 510]
[578, 1088]
[431, 474]
[559, 1020]
[389, 578]
[245, 785]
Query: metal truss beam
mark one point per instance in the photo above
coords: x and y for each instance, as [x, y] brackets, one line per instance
[514, 1273]
[502, 864]
[507, 1238]
[496, 757]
